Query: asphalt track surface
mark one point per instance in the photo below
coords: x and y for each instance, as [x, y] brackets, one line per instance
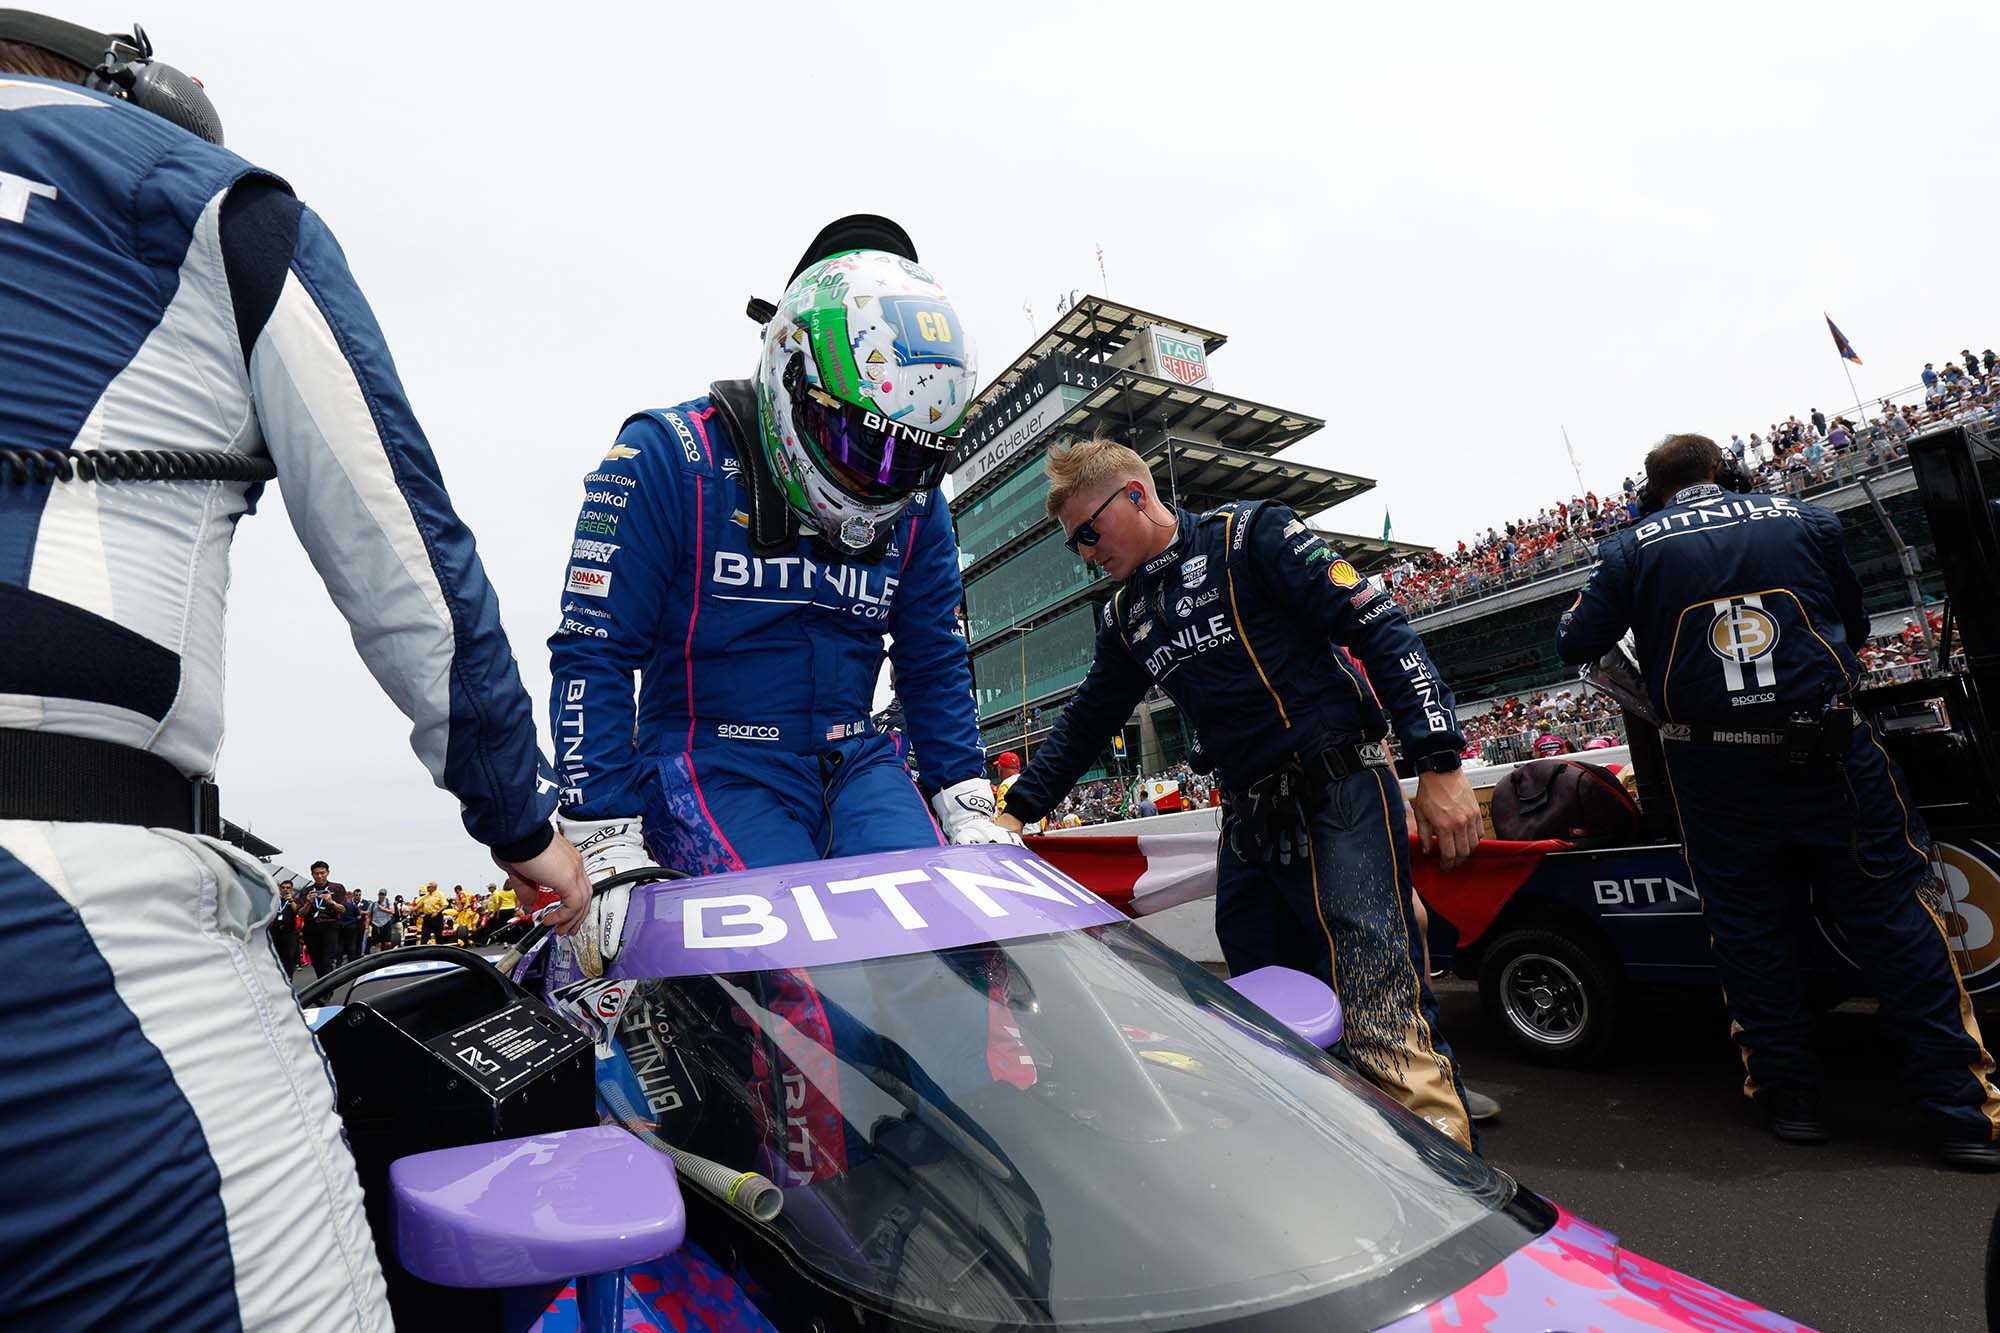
[1659, 1147]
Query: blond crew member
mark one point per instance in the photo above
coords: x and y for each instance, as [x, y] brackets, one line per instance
[1238, 615]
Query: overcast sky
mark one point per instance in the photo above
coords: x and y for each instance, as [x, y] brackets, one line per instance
[1447, 232]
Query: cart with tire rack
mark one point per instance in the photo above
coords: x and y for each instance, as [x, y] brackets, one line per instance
[1557, 952]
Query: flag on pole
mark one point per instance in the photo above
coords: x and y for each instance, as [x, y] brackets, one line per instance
[1385, 523]
[1840, 339]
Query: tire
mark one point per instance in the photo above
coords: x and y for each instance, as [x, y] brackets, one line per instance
[1557, 999]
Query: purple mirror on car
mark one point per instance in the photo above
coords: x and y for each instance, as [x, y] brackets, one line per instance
[546, 1208]
[1299, 1000]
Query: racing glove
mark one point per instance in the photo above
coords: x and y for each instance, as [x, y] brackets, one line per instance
[1270, 819]
[608, 846]
[965, 811]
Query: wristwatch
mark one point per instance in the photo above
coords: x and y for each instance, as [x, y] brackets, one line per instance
[1438, 761]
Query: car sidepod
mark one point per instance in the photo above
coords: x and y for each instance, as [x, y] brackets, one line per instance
[1576, 1276]
[685, 1292]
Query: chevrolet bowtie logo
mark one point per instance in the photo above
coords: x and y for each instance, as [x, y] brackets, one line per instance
[619, 451]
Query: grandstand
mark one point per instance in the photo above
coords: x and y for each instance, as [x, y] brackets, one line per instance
[1488, 623]
[1486, 614]
[1502, 641]
[1030, 605]
[1492, 636]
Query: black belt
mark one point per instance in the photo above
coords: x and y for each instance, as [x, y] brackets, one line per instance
[77, 779]
[1807, 737]
[1701, 734]
[1334, 763]
[1346, 759]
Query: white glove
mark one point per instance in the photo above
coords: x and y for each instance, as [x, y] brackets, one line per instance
[608, 846]
[965, 811]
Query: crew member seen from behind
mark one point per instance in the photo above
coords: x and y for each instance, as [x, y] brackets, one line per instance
[1745, 613]
[1236, 614]
[177, 329]
[746, 553]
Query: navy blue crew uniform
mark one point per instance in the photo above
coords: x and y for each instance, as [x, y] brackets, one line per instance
[1238, 622]
[1745, 612]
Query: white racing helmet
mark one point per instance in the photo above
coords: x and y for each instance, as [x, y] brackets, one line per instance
[862, 387]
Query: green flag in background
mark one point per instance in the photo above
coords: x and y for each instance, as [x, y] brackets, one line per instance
[1385, 524]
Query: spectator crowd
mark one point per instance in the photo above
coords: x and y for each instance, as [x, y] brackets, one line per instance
[1107, 800]
[1514, 728]
[1908, 654]
[1788, 457]
[322, 924]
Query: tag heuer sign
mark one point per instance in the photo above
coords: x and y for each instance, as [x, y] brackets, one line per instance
[1180, 356]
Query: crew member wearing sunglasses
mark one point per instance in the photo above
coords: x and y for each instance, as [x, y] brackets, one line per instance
[1242, 616]
[746, 553]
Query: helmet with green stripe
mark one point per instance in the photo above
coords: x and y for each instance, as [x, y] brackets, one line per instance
[862, 387]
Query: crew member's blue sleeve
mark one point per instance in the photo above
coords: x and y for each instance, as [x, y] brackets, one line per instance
[933, 675]
[367, 500]
[1300, 570]
[1111, 689]
[1602, 611]
[621, 561]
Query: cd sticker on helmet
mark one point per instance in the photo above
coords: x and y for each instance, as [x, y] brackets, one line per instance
[925, 331]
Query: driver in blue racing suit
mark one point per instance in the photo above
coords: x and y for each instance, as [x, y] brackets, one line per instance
[746, 553]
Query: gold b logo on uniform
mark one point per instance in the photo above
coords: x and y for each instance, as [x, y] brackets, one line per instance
[1970, 881]
[1743, 634]
[1965, 897]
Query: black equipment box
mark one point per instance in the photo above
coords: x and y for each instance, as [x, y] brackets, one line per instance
[447, 1060]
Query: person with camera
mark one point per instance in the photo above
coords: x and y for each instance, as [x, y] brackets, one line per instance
[285, 928]
[1240, 615]
[325, 917]
[1746, 614]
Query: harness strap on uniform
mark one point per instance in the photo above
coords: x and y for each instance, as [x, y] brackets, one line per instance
[79, 779]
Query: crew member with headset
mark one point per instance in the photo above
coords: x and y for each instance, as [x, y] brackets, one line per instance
[1745, 613]
[175, 329]
[1235, 614]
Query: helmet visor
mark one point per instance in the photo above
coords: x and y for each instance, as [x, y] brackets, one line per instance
[871, 457]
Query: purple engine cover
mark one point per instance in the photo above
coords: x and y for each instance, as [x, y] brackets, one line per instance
[541, 1209]
[1574, 1278]
[817, 912]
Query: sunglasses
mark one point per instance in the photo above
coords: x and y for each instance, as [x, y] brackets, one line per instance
[1086, 533]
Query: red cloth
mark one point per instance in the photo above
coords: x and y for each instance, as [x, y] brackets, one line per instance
[1472, 894]
[1109, 866]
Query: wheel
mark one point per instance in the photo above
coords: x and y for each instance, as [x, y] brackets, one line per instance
[1556, 998]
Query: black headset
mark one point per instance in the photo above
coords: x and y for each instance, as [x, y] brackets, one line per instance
[122, 65]
[1733, 477]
